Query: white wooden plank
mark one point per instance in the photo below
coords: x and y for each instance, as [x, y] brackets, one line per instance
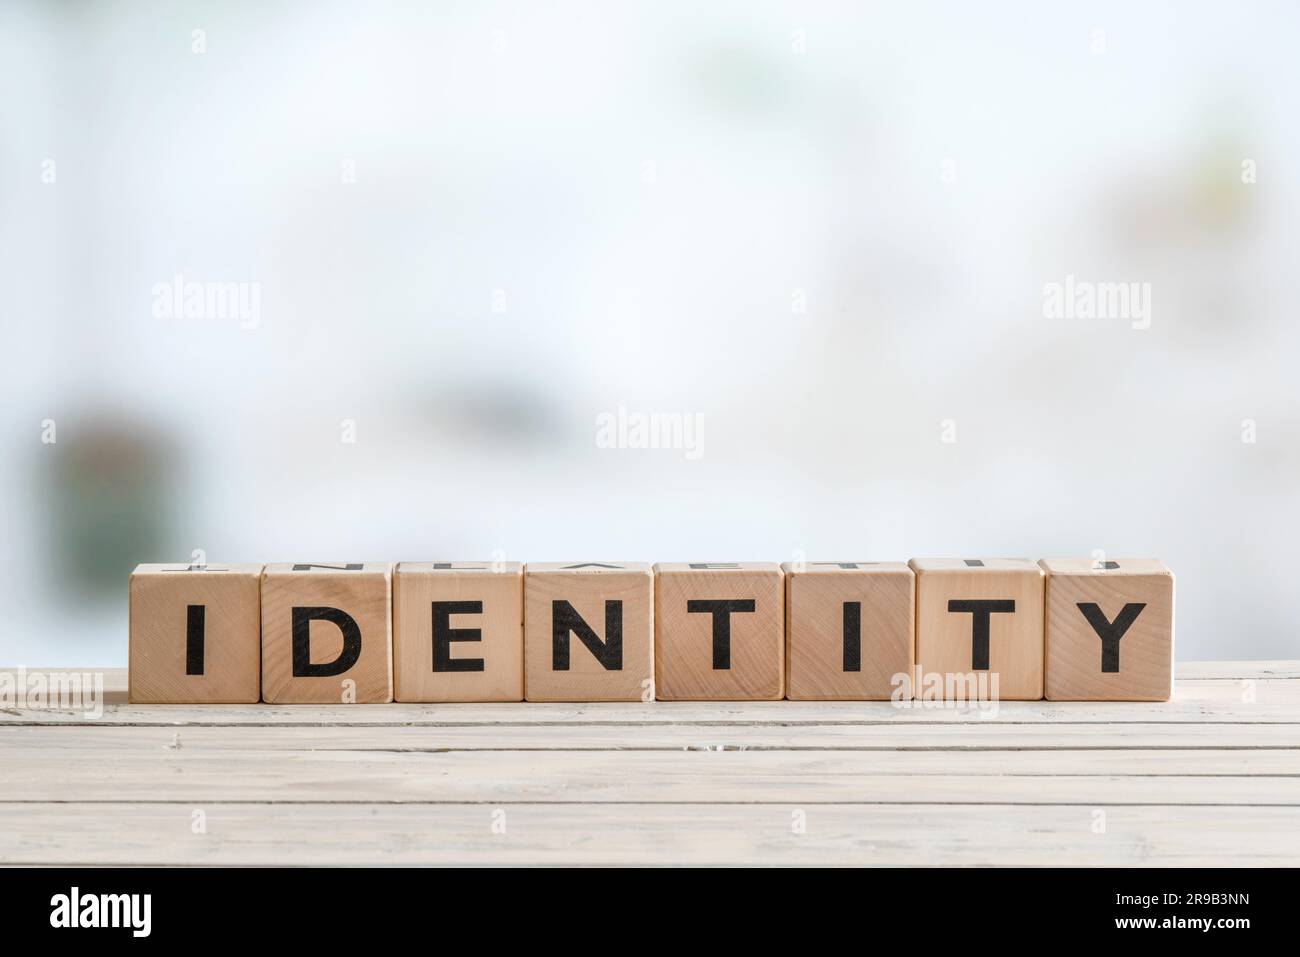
[1212, 777]
[115, 679]
[891, 835]
[182, 774]
[1245, 698]
[76, 741]
[1210, 700]
[1201, 670]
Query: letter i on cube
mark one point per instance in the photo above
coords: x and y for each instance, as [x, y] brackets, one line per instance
[849, 630]
[194, 634]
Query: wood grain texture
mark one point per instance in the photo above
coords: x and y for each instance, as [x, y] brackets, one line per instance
[703, 655]
[492, 638]
[1211, 777]
[1200, 698]
[945, 644]
[227, 623]
[1076, 666]
[1219, 670]
[879, 835]
[364, 594]
[882, 600]
[174, 772]
[601, 594]
[504, 734]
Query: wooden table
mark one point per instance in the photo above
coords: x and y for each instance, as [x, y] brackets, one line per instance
[1211, 778]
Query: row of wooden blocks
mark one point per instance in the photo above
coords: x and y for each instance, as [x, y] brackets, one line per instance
[1070, 629]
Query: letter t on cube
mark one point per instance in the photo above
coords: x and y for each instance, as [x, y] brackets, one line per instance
[978, 617]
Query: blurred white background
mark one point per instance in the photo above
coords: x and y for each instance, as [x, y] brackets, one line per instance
[473, 228]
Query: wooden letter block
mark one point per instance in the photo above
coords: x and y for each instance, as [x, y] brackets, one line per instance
[719, 631]
[194, 634]
[849, 630]
[1110, 630]
[327, 633]
[458, 631]
[979, 616]
[588, 633]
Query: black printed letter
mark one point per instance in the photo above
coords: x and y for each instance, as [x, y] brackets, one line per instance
[194, 639]
[565, 619]
[1110, 632]
[981, 608]
[853, 636]
[721, 609]
[302, 619]
[444, 635]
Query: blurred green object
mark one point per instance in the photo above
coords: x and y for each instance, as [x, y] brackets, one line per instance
[111, 502]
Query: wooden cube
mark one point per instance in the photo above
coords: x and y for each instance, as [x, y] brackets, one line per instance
[719, 631]
[458, 631]
[849, 630]
[979, 616]
[1110, 630]
[588, 632]
[194, 634]
[327, 633]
